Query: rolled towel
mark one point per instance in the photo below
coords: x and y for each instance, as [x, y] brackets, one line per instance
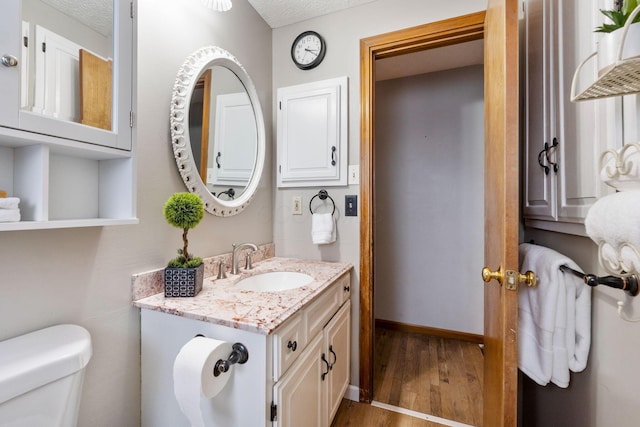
[9, 215]
[323, 230]
[612, 223]
[9, 202]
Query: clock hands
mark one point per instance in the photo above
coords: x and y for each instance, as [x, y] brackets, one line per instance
[312, 51]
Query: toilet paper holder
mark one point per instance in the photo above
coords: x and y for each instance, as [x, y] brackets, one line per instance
[239, 354]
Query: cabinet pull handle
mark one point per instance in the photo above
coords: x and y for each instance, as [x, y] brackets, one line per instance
[292, 345]
[335, 357]
[543, 155]
[333, 153]
[554, 144]
[324, 374]
[347, 288]
[218, 159]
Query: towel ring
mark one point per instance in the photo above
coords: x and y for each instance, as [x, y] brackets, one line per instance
[322, 194]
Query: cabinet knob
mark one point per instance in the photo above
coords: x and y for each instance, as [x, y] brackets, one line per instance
[347, 288]
[292, 345]
[9, 60]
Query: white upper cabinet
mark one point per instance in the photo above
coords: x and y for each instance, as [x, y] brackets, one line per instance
[563, 140]
[66, 128]
[72, 77]
[312, 134]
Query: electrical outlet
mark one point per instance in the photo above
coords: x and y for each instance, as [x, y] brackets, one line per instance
[296, 205]
[210, 172]
[354, 175]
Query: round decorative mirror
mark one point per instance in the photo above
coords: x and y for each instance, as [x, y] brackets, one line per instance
[217, 130]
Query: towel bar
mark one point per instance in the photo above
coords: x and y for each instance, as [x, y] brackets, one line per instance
[322, 194]
[629, 284]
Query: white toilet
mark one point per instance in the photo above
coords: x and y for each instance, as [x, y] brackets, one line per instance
[41, 377]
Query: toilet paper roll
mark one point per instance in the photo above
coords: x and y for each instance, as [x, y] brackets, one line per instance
[193, 378]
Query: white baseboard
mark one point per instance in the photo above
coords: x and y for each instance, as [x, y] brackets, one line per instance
[352, 393]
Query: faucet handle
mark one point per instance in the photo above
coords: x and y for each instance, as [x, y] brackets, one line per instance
[247, 263]
[222, 270]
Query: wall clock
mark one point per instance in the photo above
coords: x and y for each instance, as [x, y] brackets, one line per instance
[308, 49]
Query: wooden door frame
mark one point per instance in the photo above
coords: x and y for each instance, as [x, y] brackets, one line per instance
[438, 34]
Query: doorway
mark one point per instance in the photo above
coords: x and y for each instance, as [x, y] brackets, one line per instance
[445, 33]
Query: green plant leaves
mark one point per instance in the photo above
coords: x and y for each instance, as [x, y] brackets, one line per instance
[618, 18]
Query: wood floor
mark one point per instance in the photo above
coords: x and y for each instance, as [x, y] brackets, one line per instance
[436, 376]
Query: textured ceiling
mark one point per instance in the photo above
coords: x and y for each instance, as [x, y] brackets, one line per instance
[278, 13]
[96, 14]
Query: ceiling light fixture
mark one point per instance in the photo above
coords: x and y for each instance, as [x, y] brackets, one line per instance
[218, 5]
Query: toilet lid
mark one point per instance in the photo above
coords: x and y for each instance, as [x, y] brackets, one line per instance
[38, 358]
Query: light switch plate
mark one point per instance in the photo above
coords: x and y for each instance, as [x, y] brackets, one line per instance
[296, 205]
[354, 175]
[351, 205]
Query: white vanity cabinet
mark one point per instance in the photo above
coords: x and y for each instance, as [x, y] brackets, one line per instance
[69, 168]
[561, 182]
[312, 134]
[310, 392]
[295, 376]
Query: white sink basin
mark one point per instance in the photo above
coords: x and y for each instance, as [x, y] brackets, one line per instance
[274, 281]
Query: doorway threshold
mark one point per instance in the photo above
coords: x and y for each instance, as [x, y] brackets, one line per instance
[419, 415]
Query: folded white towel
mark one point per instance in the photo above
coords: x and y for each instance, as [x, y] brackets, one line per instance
[612, 223]
[554, 325]
[9, 202]
[9, 215]
[323, 228]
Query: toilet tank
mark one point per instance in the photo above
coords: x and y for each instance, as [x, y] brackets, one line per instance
[41, 377]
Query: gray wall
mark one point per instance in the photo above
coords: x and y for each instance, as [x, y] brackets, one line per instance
[83, 275]
[342, 31]
[429, 189]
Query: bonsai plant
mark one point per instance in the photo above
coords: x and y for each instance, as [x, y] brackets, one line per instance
[184, 274]
[609, 44]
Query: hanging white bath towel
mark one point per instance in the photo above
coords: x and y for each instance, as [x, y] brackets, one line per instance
[554, 318]
[323, 228]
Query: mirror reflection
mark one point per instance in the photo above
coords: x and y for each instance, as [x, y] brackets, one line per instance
[67, 60]
[223, 134]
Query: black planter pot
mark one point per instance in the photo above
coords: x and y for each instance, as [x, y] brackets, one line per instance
[183, 282]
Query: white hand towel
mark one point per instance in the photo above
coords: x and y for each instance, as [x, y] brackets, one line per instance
[554, 331]
[323, 228]
[612, 223]
[9, 215]
[9, 202]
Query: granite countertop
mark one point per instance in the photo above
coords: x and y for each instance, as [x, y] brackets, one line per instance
[262, 312]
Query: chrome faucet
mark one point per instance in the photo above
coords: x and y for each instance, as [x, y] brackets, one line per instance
[236, 248]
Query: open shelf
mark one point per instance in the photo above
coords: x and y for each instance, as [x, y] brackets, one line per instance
[621, 79]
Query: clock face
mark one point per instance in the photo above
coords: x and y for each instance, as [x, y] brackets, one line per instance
[308, 50]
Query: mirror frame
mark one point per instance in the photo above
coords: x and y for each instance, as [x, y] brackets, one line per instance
[186, 80]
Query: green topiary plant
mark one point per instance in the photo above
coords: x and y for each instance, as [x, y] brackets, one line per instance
[618, 16]
[184, 210]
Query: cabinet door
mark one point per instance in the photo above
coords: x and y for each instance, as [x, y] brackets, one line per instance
[581, 127]
[312, 134]
[299, 393]
[48, 105]
[539, 197]
[337, 347]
